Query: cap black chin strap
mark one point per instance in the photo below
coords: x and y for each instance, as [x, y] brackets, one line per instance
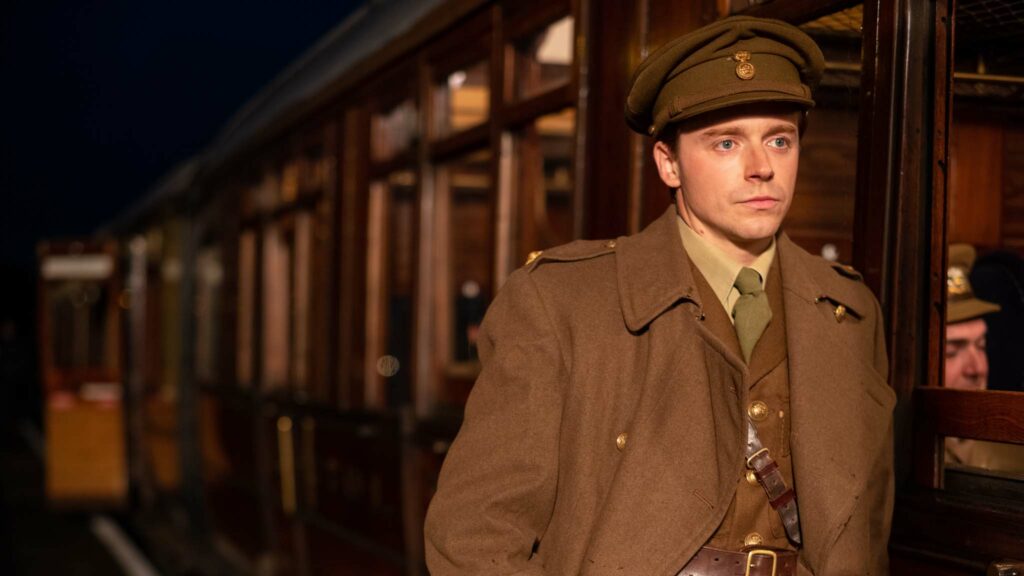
[781, 497]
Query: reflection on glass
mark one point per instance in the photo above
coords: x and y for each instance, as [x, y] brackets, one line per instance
[544, 59]
[462, 99]
[170, 309]
[264, 195]
[544, 180]
[821, 216]
[302, 245]
[986, 177]
[400, 260]
[246, 307]
[985, 457]
[276, 297]
[209, 300]
[394, 131]
[78, 320]
[468, 188]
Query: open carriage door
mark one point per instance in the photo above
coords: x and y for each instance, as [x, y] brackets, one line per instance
[79, 332]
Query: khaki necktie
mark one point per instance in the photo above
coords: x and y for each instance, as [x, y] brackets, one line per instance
[752, 312]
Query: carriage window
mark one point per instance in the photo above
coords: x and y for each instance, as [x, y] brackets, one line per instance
[276, 336]
[965, 457]
[466, 242]
[462, 99]
[263, 196]
[543, 60]
[246, 307]
[302, 245]
[77, 317]
[391, 291]
[544, 180]
[209, 311]
[982, 364]
[821, 217]
[394, 131]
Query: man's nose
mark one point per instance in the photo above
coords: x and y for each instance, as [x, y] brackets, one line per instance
[759, 165]
[977, 362]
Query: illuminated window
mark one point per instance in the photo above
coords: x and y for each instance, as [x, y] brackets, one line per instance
[462, 99]
[543, 60]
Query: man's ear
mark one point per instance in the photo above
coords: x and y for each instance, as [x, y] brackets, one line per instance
[668, 165]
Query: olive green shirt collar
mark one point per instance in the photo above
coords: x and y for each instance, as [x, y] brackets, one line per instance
[718, 268]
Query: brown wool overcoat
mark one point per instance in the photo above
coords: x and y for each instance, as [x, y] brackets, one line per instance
[596, 339]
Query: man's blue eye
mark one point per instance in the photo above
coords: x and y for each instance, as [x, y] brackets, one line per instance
[780, 142]
[726, 144]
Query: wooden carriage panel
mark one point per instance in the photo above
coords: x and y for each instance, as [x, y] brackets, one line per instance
[976, 172]
[229, 469]
[1013, 190]
[86, 458]
[334, 552]
[358, 478]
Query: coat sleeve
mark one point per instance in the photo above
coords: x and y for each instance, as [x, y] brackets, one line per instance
[882, 473]
[496, 491]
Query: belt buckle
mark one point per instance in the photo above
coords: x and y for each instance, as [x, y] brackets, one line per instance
[761, 552]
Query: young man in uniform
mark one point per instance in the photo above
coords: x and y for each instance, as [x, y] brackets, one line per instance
[702, 398]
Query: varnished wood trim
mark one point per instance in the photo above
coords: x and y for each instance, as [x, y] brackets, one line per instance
[459, 143]
[992, 415]
[553, 100]
[533, 18]
[797, 11]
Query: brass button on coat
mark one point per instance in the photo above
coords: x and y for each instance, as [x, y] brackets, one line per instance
[753, 539]
[757, 411]
[840, 313]
[620, 442]
[610, 243]
[533, 256]
[751, 477]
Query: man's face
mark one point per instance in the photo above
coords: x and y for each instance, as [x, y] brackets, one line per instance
[736, 171]
[966, 361]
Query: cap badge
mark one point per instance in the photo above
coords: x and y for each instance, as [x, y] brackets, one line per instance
[956, 281]
[745, 70]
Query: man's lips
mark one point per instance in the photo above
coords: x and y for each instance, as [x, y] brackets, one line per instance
[760, 202]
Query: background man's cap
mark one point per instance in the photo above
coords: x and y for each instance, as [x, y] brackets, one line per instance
[733, 61]
[961, 304]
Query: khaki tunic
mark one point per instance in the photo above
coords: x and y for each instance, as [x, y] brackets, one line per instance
[767, 382]
[605, 433]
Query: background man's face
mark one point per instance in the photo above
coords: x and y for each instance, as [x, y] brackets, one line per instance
[966, 361]
[737, 174]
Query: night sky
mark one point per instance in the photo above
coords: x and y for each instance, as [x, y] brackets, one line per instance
[101, 99]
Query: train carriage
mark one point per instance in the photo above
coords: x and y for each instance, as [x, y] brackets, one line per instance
[306, 293]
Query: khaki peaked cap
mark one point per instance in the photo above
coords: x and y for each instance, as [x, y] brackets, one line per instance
[736, 60]
[961, 303]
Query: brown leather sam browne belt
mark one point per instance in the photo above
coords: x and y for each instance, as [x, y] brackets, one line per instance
[754, 562]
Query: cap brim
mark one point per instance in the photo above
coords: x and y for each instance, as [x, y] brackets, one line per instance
[969, 310]
[741, 98]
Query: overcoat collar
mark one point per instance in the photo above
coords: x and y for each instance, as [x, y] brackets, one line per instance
[654, 273]
[841, 406]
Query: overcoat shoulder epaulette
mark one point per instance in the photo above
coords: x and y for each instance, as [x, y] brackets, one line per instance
[847, 271]
[571, 252]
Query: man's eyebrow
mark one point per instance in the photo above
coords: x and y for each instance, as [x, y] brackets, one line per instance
[726, 131]
[736, 131]
[958, 342]
[783, 129]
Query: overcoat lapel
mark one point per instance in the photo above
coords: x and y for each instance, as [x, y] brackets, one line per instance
[840, 412]
[679, 466]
